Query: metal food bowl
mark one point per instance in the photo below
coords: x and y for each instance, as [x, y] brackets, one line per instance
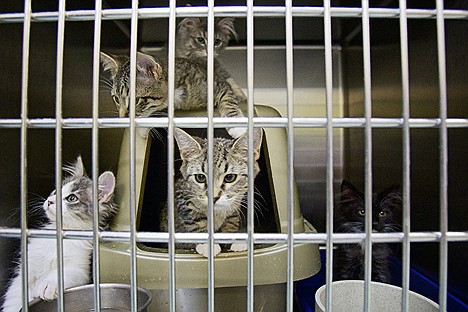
[114, 297]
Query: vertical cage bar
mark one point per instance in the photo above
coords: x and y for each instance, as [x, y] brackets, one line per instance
[251, 198]
[406, 155]
[58, 151]
[132, 156]
[170, 155]
[95, 154]
[368, 152]
[210, 133]
[290, 127]
[443, 156]
[329, 112]
[24, 153]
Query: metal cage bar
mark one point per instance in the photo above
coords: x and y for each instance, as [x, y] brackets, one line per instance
[132, 157]
[24, 153]
[237, 11]
[259, 238]
[223, 122]
[329, 111]
[95, 155]
[170, 157]
[58, 152]
[443, 261]
[290, 161]
[367, 152]
[251, 190]
[210, 138]
[406, 226]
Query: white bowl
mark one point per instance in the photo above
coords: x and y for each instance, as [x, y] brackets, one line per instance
[348, 296]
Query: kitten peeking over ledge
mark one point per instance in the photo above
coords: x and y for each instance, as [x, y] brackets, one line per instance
[192, 42]
[152, 88]
[77, 214]
[230, 186]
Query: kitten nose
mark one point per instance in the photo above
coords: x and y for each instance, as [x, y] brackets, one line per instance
[50, 201]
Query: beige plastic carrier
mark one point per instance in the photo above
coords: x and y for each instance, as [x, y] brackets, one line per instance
[270, 261]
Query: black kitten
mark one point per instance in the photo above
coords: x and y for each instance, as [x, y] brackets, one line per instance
[350, 218]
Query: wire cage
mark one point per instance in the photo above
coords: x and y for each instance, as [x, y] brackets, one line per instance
[370, 92]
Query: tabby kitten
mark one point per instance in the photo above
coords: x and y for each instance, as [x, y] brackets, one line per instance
[151, 87]
[192, 39]
[386, 215]
[77, 214]
[230, 185]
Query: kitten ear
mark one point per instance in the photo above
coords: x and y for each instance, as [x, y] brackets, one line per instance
[148, 65]
[75, 170]
[349, 191]
[106, 186]
[242, 143]
[190, 22]
[188, 146]
[226, 25]
[110, 64]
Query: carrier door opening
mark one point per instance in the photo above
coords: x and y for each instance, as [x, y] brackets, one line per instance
[154, 189]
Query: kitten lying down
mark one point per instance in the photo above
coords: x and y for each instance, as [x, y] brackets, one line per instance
[230, 186]
[77, 214]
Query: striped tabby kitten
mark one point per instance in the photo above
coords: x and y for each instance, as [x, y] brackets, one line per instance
[230, 185]
[192, 39]
[151, 87]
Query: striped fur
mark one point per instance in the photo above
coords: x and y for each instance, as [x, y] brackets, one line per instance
[230, 183]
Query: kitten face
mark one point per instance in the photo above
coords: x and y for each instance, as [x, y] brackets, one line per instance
[386, 210]
[192, 37]
[77, 206]
[151, 84]
[76, 201]
[230, 172]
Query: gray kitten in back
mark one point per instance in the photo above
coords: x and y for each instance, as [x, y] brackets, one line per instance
[152, 87]
[230, 185]
[192, 39]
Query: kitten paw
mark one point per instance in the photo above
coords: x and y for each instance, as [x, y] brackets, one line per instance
[236, 132]
[48, 290]
[143, 132]
[202, 249]
[238, 247]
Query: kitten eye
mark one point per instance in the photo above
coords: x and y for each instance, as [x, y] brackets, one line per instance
[201, 40]
[362, 212]
[229, 178]
[200, 178]
[71, 198]
[218, 42]
[382, 213]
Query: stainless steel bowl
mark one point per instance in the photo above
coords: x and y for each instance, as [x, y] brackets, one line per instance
[114, 297]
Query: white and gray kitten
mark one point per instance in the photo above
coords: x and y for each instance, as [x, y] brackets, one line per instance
[152, 87]
[230, 186]
[77, 214]
[192, 39]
